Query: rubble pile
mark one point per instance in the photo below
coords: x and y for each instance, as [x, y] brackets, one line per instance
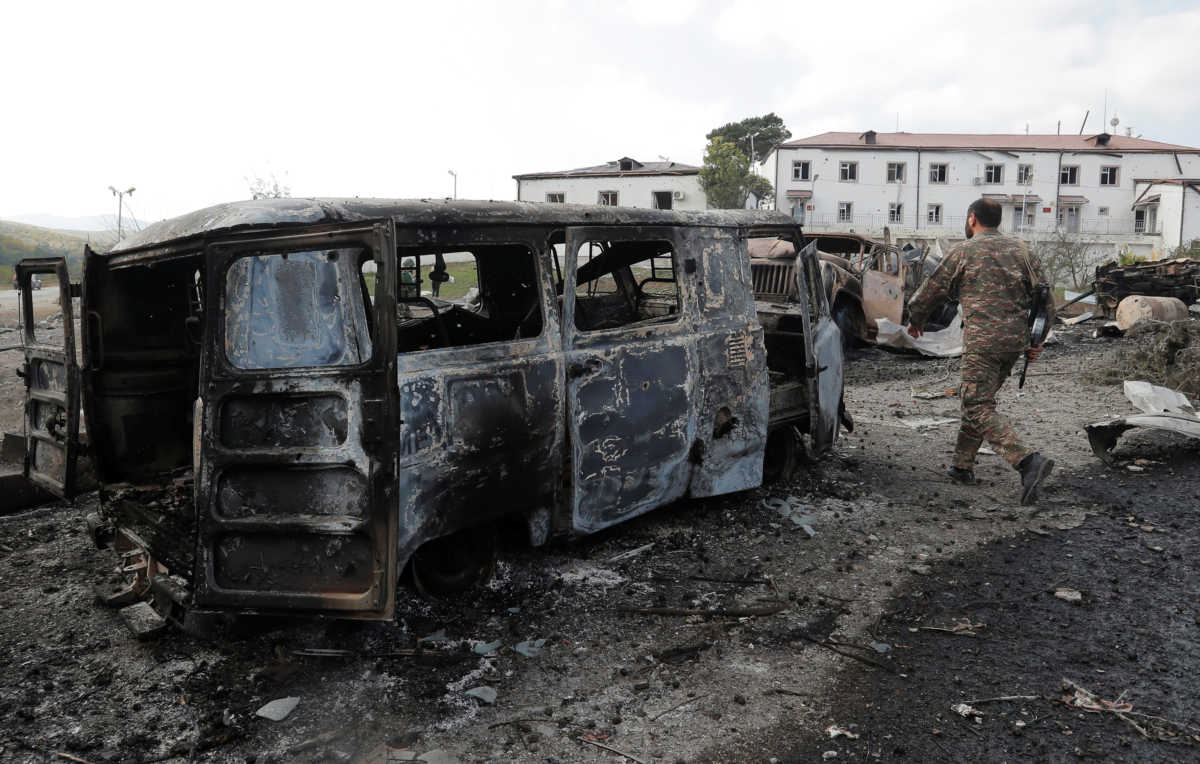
[1166, 354]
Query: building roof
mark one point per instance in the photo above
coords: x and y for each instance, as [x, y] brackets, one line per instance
[984, 141]
[613, 169]
[270, 214]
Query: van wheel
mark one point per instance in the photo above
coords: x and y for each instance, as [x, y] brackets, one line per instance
[455, 563]
[782, 456]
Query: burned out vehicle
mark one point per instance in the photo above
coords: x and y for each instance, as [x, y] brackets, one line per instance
[865, 279]
[282, 420]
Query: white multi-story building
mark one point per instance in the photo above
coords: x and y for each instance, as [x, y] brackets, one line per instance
[623, 182]
[1115, 192]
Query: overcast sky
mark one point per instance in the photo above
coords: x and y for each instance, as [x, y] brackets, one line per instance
[186, 102]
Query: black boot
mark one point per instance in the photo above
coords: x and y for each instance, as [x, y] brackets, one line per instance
[960, 475]
[1034, 469]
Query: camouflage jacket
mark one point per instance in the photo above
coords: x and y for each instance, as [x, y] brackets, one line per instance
[989, 275]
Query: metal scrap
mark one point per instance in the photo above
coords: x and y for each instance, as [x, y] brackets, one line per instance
[1162, 409]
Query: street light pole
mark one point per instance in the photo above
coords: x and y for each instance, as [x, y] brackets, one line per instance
[454, 175]
[120, 205]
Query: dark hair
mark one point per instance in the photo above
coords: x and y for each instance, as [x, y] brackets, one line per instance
[987, 212]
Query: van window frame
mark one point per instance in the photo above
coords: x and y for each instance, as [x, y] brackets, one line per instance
[223, 255]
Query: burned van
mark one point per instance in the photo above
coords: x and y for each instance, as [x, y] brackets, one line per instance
[283, 414]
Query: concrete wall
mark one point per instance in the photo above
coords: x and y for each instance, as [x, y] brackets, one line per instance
[632, 190]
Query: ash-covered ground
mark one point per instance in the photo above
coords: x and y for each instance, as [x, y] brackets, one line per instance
[860, 625]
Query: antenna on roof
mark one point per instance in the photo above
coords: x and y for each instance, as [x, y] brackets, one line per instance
[1027, 128]
[1114, 122]
[1085, 116]
[1058, 130]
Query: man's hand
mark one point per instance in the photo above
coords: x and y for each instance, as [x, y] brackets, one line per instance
[1033, 353]
[916, 330]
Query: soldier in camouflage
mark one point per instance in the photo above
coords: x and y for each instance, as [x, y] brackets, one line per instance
[994, 276]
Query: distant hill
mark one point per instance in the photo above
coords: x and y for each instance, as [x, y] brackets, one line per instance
[20, 240]
[67, 223]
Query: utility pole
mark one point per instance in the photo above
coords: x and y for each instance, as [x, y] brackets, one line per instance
[752, 160]
[454, 175]
[120, 205]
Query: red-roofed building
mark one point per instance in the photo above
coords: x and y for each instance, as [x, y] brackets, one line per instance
[920, 184]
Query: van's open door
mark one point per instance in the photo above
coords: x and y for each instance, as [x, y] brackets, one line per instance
[51, 382]
[295, 485]
[824, 349]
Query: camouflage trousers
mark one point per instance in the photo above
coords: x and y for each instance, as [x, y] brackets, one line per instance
[982, 376]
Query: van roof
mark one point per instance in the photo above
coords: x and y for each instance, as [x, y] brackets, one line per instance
[283, 213]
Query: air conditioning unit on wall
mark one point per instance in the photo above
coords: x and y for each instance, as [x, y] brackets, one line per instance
[678, 196]
[977, 180]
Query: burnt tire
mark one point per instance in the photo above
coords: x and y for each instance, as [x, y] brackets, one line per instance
[782, 454]
[847, 317]
[455, 563]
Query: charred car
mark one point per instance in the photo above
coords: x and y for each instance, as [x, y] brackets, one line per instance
[865, 279]
[281, 419]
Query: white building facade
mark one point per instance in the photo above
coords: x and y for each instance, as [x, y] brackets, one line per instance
[624, 182]
[1116, 193]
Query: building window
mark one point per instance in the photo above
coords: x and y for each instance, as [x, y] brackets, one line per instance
[993, 173]
[608, 198]
[800, 170]
[1139, 221]
[849, 171]
[845, 212]
[895, 212]
[895, 172]
[1102, 212]
[1069, 175]
[934, 215]
[1108, 175]
[556, 197]
[661, 200]
[1024, 174]
[938, 173]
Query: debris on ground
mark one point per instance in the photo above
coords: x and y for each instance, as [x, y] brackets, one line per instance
[944, 343]
[1164, 278]
[483, 694]
[279, 709]
[968, 712]
[1162, 409]
[1166, 354]
[530, 648]
[1068, 595]
[1138, 310]
[920, 423]
[835, 731]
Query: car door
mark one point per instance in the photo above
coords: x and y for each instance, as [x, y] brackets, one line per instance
[630, 383]
[823, 345]
[51, 375]
[295, 481]
[883, 289]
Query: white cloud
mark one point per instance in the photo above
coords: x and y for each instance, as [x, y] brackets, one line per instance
[184, 102]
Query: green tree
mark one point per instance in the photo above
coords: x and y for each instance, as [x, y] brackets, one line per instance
[763, 191]
[726, 177]
[768, 131]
